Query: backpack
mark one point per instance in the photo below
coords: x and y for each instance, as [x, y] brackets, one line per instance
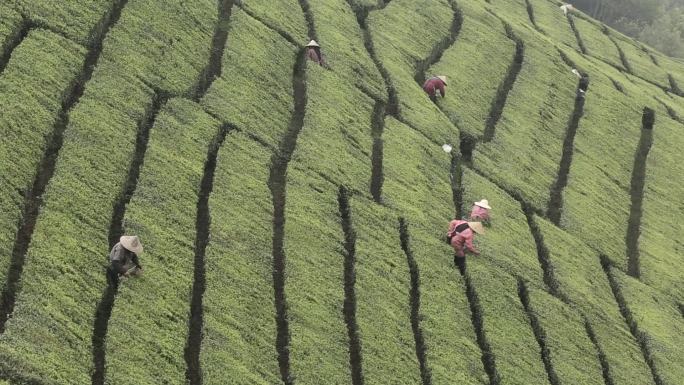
[458, 229]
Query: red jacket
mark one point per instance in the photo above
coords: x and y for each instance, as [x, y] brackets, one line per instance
[432, 85]
[463, 240]
[479, 213]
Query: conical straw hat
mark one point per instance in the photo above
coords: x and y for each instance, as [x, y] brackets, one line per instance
[131, 243]
[477, 227]
[442, 78]
[313, 43]
[484, 204]
[447, 148]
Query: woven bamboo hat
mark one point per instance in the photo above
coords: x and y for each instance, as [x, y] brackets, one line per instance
[484, 204]
[131, 243]
[442, 78]
[477, 227]
[313, 43]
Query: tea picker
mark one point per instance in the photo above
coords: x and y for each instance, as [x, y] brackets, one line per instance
[313, 52]
[124, 259]
[566, 8]
[434, 84]
[460, 236]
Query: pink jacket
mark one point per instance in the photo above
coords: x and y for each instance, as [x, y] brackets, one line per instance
[463, 240]
[432, 85]
[479, 213]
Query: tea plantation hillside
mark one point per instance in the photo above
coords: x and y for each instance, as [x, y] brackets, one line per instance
[293, 215]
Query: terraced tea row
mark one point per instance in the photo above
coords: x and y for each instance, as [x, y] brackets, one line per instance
[373, 298]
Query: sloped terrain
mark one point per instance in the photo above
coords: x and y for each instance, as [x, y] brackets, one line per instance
[293, 215]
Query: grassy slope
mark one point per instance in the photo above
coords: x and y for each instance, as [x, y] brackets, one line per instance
[334, 147]
[88, 178]
[417, 185]
[509, 244]
[662, 325]
[381, 272]
[336, 138]
[482, 43]
[10, 26]
[75, 19]
[535, 117]
[343, 45]
[315, 282]
[238, 302]
[255, 89]
[661, 243]
[402, 36]
[598, 44]
[555, 25]
[240, 330]
[612, 124]
[582, 279]
[285, 14]
[149, 321]
[508, 331]
[331, 148]
[32, 87]
[570, 349]
[641, 63]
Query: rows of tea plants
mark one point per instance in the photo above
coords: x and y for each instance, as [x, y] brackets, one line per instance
[308, 275]
[63, 275]
[34, 83]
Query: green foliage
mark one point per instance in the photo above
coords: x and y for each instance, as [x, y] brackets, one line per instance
[163, 46]
[482, 43]
[582, 279]
[10, 24]
[553, 22]
[148, 325]
[31, 91]
[342, 44]
[641, 63]
[240, 330]
[659, 23]
[286, 14]
[571, 351]
[64, 269]
[535, 117]
[64, 273]
[417, 187]
[255, 89]
[506, 324]
[598, 44]
[508, 245]
[595, 176]
[666, 33]
[336, 138]
[382, 291]
[76, 20]
[314, 283]
[660, 323]
[403, 33]
[660, 244]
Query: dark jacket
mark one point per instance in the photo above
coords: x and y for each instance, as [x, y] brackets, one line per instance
[121, 259]
[315, 55]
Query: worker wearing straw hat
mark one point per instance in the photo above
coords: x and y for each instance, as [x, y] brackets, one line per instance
[480, 211]
[566, 8]
[460, 237]
[432, 85]
[313, 52]
[124, 258]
